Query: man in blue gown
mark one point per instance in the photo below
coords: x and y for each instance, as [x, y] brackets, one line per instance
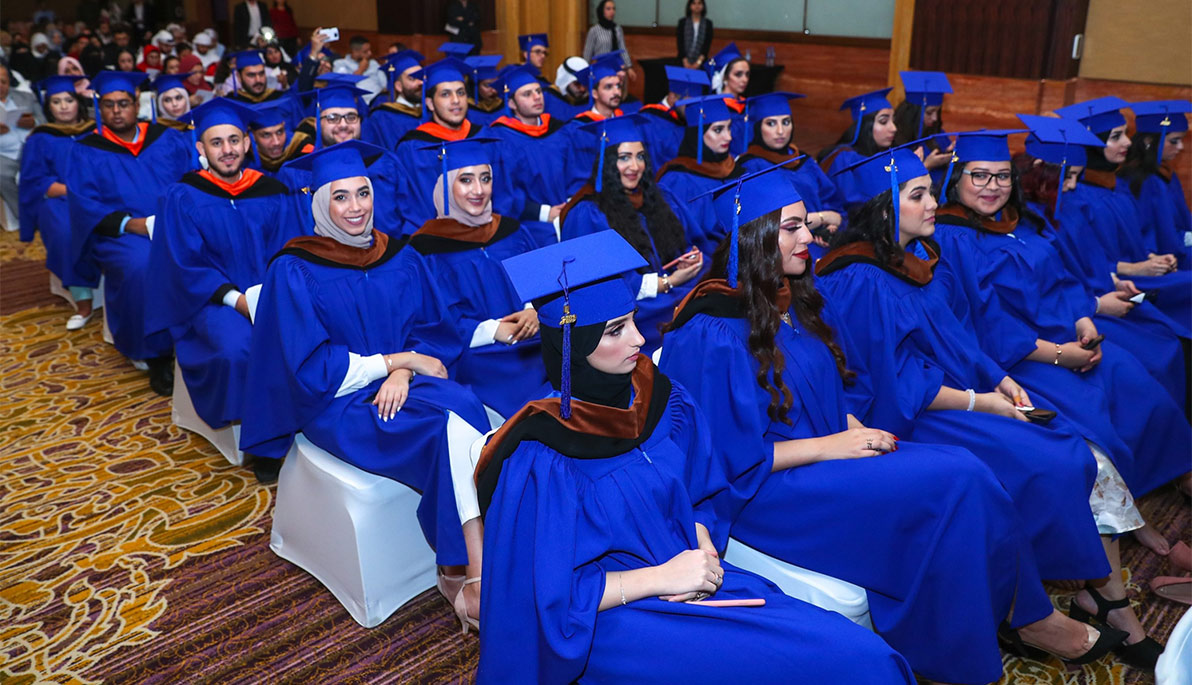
[272, 137]
[400, 110]
[664, 124]
[535, 48]
[604, 88]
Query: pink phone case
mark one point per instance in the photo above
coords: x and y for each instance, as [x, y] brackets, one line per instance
[759, 602]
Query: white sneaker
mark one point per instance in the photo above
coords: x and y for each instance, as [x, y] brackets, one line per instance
[77, 321]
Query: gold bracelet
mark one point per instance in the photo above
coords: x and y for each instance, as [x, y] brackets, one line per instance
[388, 362]
[1058, 352]
[666, 282]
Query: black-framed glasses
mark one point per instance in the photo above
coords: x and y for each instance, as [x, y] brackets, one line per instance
[333, 119]
[982, 178]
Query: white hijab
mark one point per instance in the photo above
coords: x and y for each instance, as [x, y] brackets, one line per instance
[320, 207]
[457, 212]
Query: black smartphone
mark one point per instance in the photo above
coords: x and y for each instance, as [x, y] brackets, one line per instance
[822, 233]
[1092, 344]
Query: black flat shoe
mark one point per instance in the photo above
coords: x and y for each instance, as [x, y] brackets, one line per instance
[1109, 639]
[161, 375]
[265, 469]
[1142, 654]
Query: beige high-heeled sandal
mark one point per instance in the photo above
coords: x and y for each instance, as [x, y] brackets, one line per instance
[449, 586]
[461, 608]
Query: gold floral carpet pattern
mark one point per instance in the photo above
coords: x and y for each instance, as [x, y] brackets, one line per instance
[132, 552]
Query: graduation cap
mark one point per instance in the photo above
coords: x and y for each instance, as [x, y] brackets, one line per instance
[722, 58]
[886, 171]
[248, 58]
[708, 108]
[342, 160]
[979, 146]
[333, 79]
[859, 105]
[333, 95]
[1058, 141]
[456, 50]
[218, 112]
[613, 131]
[397, 64]
[527, 41]
[456, 154]
[484, 68]
[1162, 117]
[576, 283]
[163, 83]
[266, 114]
[110, 81]
[602, 67]
[52, 85]
[748, 197]
[925, 89]
[513, 78]
[777, 104]
[1099, 115]
[444, 71]
[686, 83]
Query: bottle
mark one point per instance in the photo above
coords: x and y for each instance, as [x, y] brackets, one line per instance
[748, 55]
[769, 55]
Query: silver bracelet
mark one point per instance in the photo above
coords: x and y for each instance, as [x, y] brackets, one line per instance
[972, 399]
[621, 587]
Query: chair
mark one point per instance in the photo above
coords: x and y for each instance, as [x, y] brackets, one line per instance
[226, 439]
[815, 588]
[356, 532]
[1175, 664]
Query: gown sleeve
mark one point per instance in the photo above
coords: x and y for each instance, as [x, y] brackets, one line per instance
[714, 497]
[36, 178]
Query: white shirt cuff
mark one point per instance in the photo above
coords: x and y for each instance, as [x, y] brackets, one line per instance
[558, 230]
[649, 288]
[544, 212]
[485, 333]
[361, 372]
[150, 221]
[1187, 238]
[231, 298]
[252, 295]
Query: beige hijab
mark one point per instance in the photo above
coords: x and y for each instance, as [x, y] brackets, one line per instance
[320, 207]
[457, 212]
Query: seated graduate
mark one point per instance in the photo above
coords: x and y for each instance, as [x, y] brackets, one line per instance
[915, 357]
[42, 191]
[486, 104]
[1048, 169]
[1149, 171]
[630, 104]
[664, 123]
[604, 88]
[445, 119]
[925, 527]
[349, 332]
[729, 72]
[772, 140]
[532, 148]
[463, 247]
[919, 117]
[116, 175]
[535, 48]
[603, 517]
[703, 164]
[172, 100]
[399, 110]
[623, 196]
[873, 131]
[1106, 204]
[573, 90]
[251, 83]
[1003, 279]
[217, 229]
[272, 137]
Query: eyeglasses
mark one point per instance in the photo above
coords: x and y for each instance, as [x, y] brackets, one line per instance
[981, 178]
[334, 119]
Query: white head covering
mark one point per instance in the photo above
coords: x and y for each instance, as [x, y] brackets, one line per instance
[320, 207]
[457, 211]
[565, 74]
[39, 39]
[162, 36]
[203, 39]
[161, 109]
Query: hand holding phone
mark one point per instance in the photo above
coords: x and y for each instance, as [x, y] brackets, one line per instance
[689, 256]
[331, 35]
[1092, 344]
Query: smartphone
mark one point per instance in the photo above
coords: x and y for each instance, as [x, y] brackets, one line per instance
[1039, 416]
[1148, 295]
[1137, 299]
[823, 233]
[689, 256]
[330, 35]
[1092, 344]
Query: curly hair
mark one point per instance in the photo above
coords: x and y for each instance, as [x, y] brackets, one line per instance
[661, 221]
[873, 222]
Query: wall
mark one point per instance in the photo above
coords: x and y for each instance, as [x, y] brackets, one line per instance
[1139, 40]
[347, 15]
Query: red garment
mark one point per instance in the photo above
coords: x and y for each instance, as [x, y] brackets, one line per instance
[133, 147]
[143, 65]
[247, 178]
[283, 22]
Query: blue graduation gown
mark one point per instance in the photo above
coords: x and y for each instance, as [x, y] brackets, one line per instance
[207, 243]
[475, 288]
[558, 525]
[663, 131]
[681, 183]
[388, 122]
[582, 149]
[903, 339]
[107, 182]
[384, 173]
[1163, 216]
[418, 169]
[313, 312]
[558, 106]
[818, 191]
[842, 157]
[995, 282]
[535, 160]
[481, 115]
[43, 161]
[916, 529]
[586, 217]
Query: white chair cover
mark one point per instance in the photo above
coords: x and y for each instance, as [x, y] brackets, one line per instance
[1175, 664]
[226, 439]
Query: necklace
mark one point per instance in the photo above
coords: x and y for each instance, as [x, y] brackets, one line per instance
[786, 319]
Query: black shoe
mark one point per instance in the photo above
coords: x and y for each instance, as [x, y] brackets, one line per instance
[161, 375]
[265, 469]
[1142, 654]
[1109, 639]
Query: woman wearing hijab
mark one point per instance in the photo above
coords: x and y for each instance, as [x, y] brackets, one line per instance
[150, 61]
[872, 131]
[41, 60]
[69, 66]
[43, 190]
[606, 36]
[924, 528]
[172, 100]
[463, 248]
[603, 523]
[348, 347]
[623, 195]
[704, 163]
[197, 87]
[927, 377]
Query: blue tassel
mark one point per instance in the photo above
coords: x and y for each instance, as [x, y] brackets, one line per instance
[392, 84]
[922, 113]
[153, 108]
[893, 170]
[446, 190]
[699, 146]
[566, 322]
[1059, 196]
[600, 160]
[1162, 139]
[98, 118]
[194, 145]
[732, 267]
[318, 122]
[859, 119]
[947, 178]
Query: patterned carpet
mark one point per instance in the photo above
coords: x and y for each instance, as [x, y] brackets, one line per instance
[131, 552]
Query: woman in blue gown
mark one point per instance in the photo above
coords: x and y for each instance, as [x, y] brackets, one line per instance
[873, 131]
[43, 191]
[923, 527]
[349, 348]
[916, 356]
[1149, 172]
[704, 163]
[920, 117]
[626, 198]
[603, 518]
[463, 248]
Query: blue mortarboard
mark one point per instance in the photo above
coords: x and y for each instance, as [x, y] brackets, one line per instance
[886, 171]
[1059, 141]
[861, 105]
[613, 131]
[454, 154]
[110, 81]
[304, 52]
[217, 112]
[334, 95]
[979, 146]
[445, 70]
[748, 197]
[333, 79]
[1099, 115]
[727, 54]
[484, 68]
[397, 64]
[342, 160]
[52, 85]
[575, 283]
[456, 50]
[925, 89]
[248, 58]
[1162, 117]
[271, 113]
[777, 104]
[687, 83]
[529, 40]
[513, 78]
[602, 67]
[701, 111]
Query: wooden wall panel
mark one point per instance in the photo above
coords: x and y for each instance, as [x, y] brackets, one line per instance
[1139, 40]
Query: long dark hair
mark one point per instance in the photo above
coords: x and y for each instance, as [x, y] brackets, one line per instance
[1017, 198]
[45, 109]
[865, 144]
[1096, 155]
[661, 221]
[873, 222]
[1039, 180]
[703, 16]
[757, 138]
[906, 117]
[692, 138]
[1141, 161]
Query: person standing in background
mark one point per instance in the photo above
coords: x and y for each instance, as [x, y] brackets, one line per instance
[282, 17]
[14, 129]
[694, 35]
[606, 36]
[247, 20]
[463, 22]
